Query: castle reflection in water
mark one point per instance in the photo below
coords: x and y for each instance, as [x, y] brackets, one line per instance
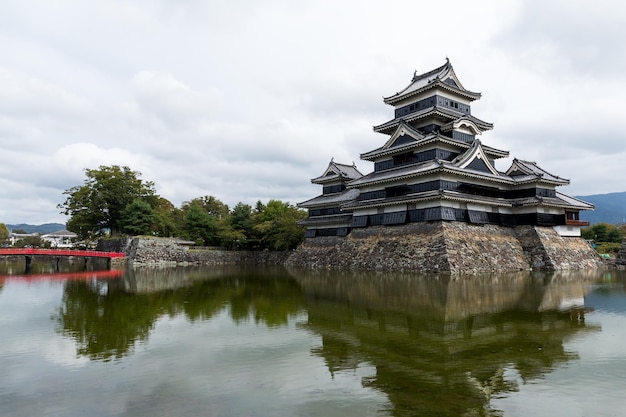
[439, 344]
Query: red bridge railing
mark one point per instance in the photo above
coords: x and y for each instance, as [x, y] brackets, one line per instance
[61, 252]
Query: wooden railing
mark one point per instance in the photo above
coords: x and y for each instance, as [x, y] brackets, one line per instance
[581, 223]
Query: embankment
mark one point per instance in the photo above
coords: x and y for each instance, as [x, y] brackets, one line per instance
[448, 247]
[452, 247]
[147, 251]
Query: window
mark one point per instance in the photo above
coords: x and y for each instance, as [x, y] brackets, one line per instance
[403, 158]
[571, 215]
[397, 191]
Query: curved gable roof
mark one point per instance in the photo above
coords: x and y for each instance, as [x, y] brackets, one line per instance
[404, 134]
[337, 171]
[443, 76]
[476, 126]
[476, 159]
[521, 168]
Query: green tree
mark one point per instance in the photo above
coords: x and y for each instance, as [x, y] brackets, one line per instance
[603, 232]
[214, 206]
[32, 242]
[232, 239]
[4, 232]
[167, 219]
[614, 235]
[241, 217]
[98, 204]
[277, 224]
[137, 218]
[224, 233]
[242, 225]
[206, 220]
[198, 225]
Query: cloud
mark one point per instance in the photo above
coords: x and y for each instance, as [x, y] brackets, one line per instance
[22, 95]
[30, 108]
[248, 101]
[171, 101]
[560, 38]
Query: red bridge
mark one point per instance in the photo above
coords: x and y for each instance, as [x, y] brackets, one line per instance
[61, 252]
[28, 253]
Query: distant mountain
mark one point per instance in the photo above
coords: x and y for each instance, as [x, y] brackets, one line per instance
[41, 228]
[610, 208]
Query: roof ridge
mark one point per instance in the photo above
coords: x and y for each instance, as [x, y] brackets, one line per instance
[431, 72]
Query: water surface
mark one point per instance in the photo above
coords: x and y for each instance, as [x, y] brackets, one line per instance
[239, 342]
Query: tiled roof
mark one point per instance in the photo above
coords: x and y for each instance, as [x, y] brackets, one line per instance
[428, 167]
[326, 220]
[523, 171]
[60, 233]
[561, 200]
[435, 137]
[429, 195]
[348, 171]
[337, 171]
[392, 174]
[573, 201]
[330, 199]
[452, 115]
[431, 78]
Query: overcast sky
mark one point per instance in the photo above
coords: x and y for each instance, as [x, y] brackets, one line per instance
[249, 100]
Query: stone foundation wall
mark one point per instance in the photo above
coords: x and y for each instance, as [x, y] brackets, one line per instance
[486, 248]
[145, 251]
[546, 249]
[449, 247]
[377, 248]
[453, 247]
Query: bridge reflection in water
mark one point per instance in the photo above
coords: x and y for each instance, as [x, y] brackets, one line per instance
[65, 276]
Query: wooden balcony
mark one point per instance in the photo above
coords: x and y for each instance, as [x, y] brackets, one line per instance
[580, 223]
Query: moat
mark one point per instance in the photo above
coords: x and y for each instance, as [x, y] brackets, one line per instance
[275, 342]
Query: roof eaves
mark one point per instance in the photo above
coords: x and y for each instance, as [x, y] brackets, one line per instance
[430, 111]
[388, 175]
[406, 93]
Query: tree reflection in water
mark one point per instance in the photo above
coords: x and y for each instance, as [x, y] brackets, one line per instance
[107, 318]
[105, 324]
[441, 345]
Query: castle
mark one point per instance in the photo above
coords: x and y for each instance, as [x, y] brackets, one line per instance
[433, 168]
